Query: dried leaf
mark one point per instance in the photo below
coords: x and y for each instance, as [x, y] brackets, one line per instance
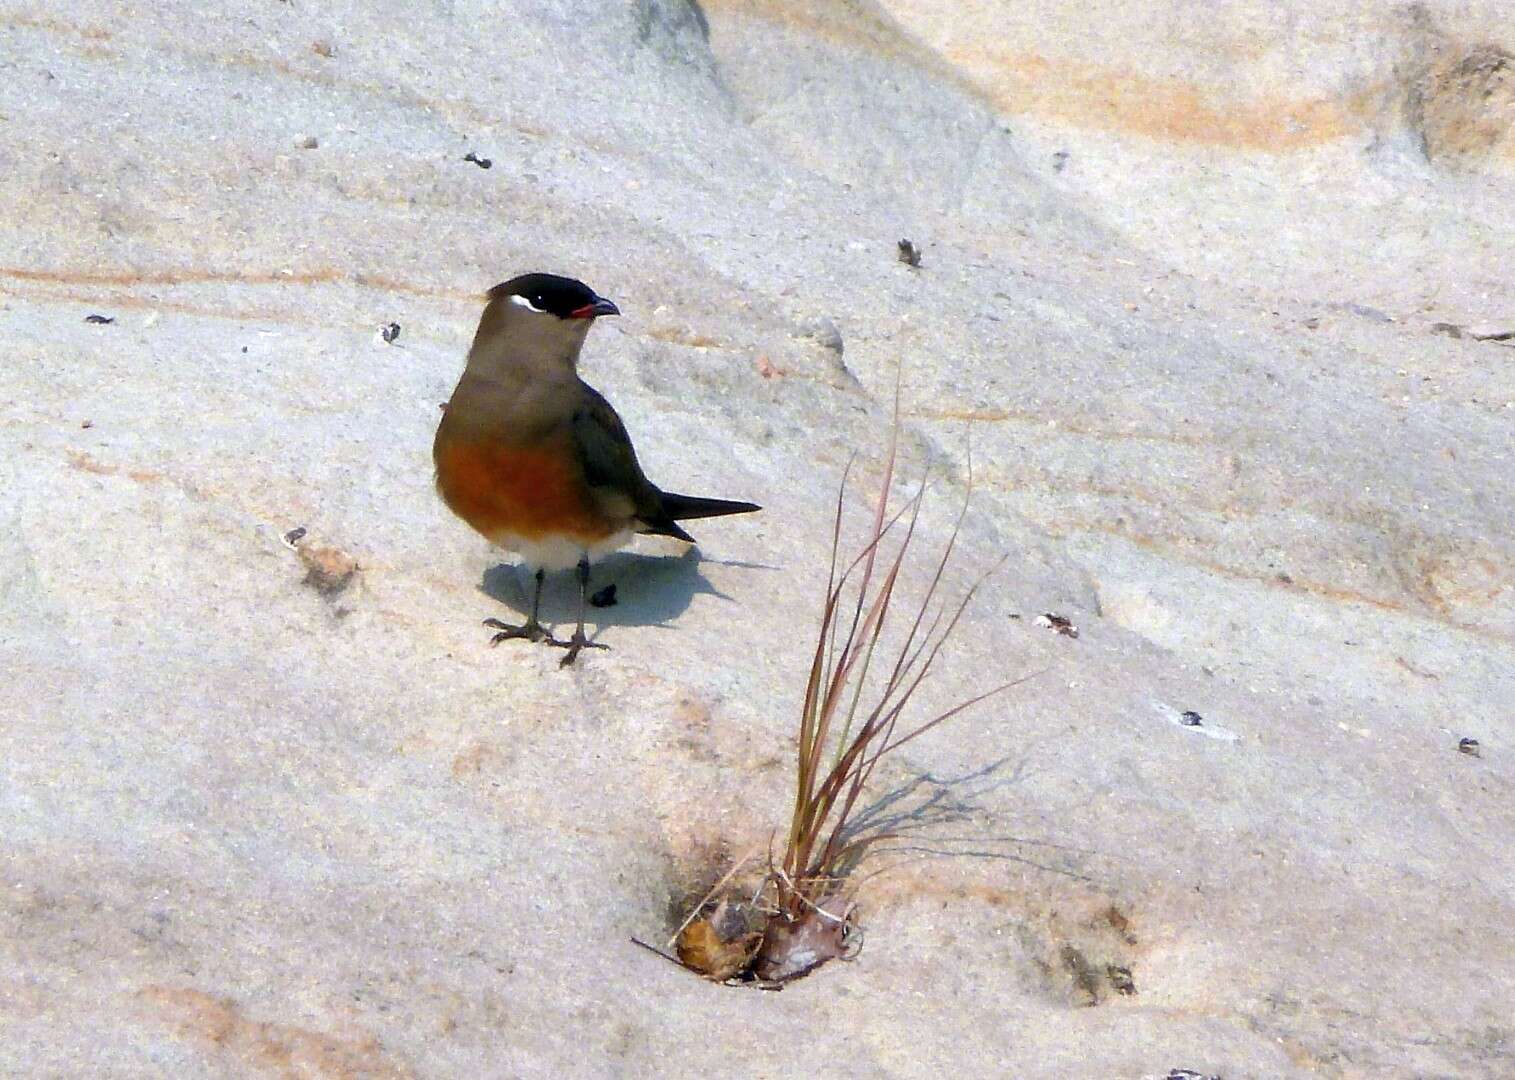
[718, 946]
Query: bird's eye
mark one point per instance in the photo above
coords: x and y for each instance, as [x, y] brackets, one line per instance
[535, 302]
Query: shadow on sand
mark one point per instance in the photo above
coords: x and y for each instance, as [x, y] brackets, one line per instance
[920, 818]
[651, 590]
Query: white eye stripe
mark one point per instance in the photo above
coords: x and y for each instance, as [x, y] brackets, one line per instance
[516, 298]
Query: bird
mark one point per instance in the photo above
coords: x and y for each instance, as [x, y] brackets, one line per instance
[536, 460]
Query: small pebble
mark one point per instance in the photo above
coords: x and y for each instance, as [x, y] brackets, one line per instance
[1469, 747]
[910, 255]
[328, 570]
[294, 536]
[390, 332]
[481, 162]
[1190, 718]
[99, 320]
[824, 333]
[307, 142]
[1372, 314]
[1048, 620]
[1060, 161]
[1489, 331]
[87, 424]
[605, 597]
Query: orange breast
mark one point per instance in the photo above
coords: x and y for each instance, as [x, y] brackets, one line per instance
[534, 492]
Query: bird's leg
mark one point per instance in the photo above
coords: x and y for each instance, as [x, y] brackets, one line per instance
[531, 629]
[579, 641]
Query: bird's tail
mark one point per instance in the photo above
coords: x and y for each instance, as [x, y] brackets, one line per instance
[687, 507]
[676, 507]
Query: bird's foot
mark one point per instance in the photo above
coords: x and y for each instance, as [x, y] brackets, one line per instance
[576, 644]
[530, 630]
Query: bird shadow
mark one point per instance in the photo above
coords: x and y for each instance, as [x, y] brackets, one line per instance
[650, 590]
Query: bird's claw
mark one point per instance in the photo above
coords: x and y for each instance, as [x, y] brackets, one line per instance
[575, 645]
[530, 630]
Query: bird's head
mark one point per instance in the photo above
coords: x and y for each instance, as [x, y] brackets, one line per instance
[540, 315]
[543, 296]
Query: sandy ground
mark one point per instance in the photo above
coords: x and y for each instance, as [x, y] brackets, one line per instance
[1211, 297]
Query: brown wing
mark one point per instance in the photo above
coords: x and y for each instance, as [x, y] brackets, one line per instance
[611, 468]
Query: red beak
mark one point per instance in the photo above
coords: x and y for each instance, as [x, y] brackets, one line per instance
[601, 306]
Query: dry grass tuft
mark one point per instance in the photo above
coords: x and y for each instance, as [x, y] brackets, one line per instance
[856, 710]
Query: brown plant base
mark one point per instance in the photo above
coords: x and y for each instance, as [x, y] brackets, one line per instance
[737, 941]
[794, 947]
[721, 945]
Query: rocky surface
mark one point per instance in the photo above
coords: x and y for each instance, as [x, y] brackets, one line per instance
[273, 807]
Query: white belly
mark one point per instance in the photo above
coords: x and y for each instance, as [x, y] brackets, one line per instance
[558, 553]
